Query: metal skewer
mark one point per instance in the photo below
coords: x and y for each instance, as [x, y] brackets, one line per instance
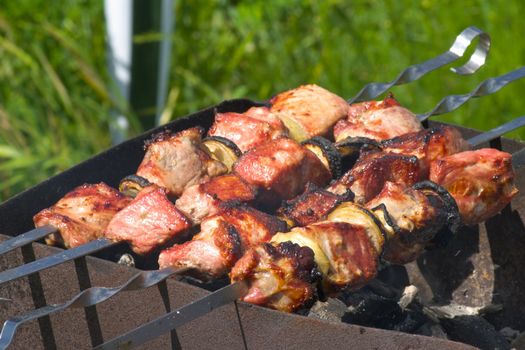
[486, 87]
[145, 279]
[415, 72]
[86, 298]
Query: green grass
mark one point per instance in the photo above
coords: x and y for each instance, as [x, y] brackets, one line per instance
[54, 99]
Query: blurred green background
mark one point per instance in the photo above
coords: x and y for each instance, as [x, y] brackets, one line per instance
[54, 92]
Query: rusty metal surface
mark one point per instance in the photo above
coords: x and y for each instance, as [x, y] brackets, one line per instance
[502, 243]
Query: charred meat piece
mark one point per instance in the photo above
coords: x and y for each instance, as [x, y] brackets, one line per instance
[481, 182]
[311, 206]
[428, 145]
[148, 222]
[81, 215]
[250, 129]
[177, 161]
[202, 200]
[377, 120]
[210, 254]
[309, 111]
[412, 217]
[343, 251]
[223, 237]
[281, 169]
[280, 276]
[372, 170]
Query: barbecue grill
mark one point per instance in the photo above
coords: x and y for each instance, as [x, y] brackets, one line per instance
[467, 277]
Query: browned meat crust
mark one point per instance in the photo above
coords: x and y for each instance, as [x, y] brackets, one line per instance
[148, 222]
[372, 170]
[481, 182]
[81, 215]
[377, 120]
[281, 169]
[313, 108]
[250, 129]
[312, 205]
[176, 161]
[281, 277]
[203, 200]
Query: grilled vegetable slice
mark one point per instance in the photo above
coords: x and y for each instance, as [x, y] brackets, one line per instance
[327, 154]
[352, 145]
[131, 185]
[355, 214]
[295, 130]
[222, 149]
[296, 237]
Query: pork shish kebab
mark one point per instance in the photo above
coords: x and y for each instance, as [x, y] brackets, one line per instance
[103, 243]
[284, 254]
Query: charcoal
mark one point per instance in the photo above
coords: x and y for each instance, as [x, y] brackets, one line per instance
[411, 321]
[432, 329]
[474, 330]
[519, 342]
[509, 333]
[368, 309]
[330, 310]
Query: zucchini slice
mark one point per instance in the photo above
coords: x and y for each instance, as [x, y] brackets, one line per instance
[327, 154]
[357, 215]
[131, 185]
[296, 236]
[222, 149]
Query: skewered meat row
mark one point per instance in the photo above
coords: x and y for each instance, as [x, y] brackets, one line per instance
[346, 246]
[277, 170]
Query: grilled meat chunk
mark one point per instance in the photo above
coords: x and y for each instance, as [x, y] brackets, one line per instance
[372, 170]
[481, 182]
[176, 161]
[311, 206]
[81, 215]
[308, 111]
[343, 251]
[280, 276]
[202, 200]
[148, 222]
[210, 254]
[250, 129]
[223, 237]
[281, 169]
[377, 120]
[428, 145]
[411, 218]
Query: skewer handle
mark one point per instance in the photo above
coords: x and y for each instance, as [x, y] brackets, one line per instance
[486, 87]
[86, 298]
[456, 51]
[53, 260]
[26, 238]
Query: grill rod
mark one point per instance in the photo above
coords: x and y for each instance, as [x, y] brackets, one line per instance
[102, 243]
[447, 104]
[145, 279]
